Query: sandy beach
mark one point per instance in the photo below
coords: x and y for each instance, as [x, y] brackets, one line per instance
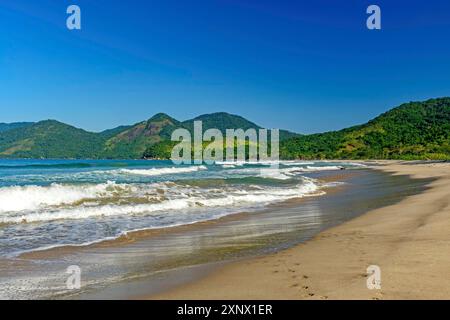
[409, 241]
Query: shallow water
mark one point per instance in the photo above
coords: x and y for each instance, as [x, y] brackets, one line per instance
[51, 203]
[165, 258]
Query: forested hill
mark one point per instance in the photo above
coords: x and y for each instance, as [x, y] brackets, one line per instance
[54, 139]
[415, 130]
[9, 126]
[49, 139]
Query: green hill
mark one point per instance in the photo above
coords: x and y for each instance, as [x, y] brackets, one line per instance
[9, 126]
[133, 141]
[223, 121]
[50, 139]
[219, 120]
[415, 130]
[114, 131]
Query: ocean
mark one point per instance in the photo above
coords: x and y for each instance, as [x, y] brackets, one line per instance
[52, 203]
[138, 227]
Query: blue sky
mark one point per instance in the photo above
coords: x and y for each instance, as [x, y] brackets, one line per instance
[307, 66]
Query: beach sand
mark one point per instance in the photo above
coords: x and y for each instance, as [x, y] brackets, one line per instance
[409, 241]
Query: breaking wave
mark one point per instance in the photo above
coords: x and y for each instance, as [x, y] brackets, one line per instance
[105, 199]
[19, 198]
[162, 171]
[199, 198]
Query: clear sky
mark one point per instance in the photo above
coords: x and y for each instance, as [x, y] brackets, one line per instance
[307, 66]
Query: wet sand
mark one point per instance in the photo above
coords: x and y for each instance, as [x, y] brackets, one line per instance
[409, 241]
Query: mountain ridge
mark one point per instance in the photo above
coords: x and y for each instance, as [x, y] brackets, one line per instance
[414, 130]
[55, 139]
[13, 125]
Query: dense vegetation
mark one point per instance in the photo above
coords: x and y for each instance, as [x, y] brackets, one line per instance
[416, 130]
[151, 138]
[50, 139]
[9, 126]
[134, 140]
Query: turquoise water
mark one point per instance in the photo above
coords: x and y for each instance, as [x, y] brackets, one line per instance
[50, 203]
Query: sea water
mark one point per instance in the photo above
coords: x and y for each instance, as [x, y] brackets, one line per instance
[51, 203]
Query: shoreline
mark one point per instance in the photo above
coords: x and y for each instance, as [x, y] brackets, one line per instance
[158, 261]
[133, 236]
[408, 241]
[363, 187]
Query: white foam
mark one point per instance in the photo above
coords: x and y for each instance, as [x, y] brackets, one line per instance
[248, 162]
[356, 164]
[19, 198]
[324, 168]
[274, 174]
[230, 163]
[296, 163]
[227, 166]
[227, 198]
[312, 169]
[90, 212]
[162, 171]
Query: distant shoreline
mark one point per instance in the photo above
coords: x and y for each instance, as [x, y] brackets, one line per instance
[296, 159]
